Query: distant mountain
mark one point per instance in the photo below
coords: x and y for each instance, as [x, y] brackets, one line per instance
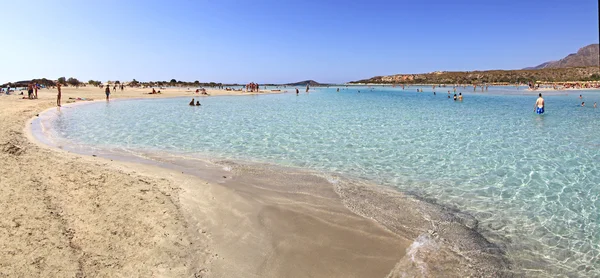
[585, 57]
[303, 83]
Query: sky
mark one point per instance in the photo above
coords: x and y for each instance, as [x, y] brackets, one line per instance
[280, 41]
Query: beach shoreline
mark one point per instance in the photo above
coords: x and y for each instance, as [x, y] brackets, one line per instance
[178, 245]
[402, 231]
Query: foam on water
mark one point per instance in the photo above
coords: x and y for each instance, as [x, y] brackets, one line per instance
[531, 182]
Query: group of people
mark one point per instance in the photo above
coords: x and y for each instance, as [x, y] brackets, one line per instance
[583, 102]
[32, 90]
[252, 87]
[197, 103]
[7, 91]
[459, 97]
[154, 92]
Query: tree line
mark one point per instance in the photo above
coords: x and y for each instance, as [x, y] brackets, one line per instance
[72, 81]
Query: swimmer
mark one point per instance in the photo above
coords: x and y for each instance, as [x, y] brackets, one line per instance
[539, 105]
[297, 92]
[595, 105]
[192, 102]
[583, 104]
[580, 97]
[460, 97]
[198, 103]
[455, 98]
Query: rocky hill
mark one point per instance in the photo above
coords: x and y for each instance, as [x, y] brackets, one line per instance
[491, 76]
[585, 57]
[311, 83]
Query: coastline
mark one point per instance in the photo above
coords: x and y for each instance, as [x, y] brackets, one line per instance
[252, 210]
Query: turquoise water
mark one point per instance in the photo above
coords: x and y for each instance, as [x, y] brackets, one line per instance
[532, 181]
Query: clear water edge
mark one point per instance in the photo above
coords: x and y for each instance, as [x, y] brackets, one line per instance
[530, 180]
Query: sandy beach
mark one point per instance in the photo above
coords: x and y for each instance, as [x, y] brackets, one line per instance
[72, 215]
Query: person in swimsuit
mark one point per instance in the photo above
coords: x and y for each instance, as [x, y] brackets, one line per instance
[198, 103]
[30, 90]
[192, 102]
[58, 95]
[455, 97]
[107, 91]
[595, 105]
[583, 104]
[460, 96]
[539, 105]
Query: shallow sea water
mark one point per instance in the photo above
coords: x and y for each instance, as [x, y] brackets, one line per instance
[532, 181]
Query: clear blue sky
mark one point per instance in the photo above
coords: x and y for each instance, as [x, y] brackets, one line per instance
[284, 41]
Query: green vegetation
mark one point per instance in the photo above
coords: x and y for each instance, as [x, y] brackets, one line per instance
[44, 82]
[491, 76]
[94, 83]
[134, 83]
[73, 82]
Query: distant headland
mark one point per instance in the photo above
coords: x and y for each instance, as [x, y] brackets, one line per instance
[580, 66]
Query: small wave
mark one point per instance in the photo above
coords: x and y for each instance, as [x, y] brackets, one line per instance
[417, 252]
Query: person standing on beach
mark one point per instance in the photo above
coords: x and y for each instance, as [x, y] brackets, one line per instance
[539, 105]
[30, 90]
[35, 87]
[107, 91]
[58, 95]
